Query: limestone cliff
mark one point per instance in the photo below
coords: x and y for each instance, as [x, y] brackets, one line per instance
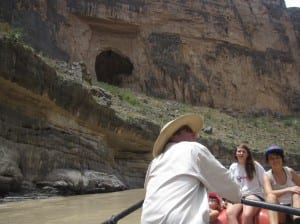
[51, 123]
[62, 131]
[59, 132]
[231, 54]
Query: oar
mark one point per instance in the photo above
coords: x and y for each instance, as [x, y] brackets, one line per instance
[260, 204]
[115, 218]
[275, 207]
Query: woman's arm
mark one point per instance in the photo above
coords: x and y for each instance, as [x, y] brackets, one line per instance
[268, 188]
[260, 173]
[267, 184]
[295, 176]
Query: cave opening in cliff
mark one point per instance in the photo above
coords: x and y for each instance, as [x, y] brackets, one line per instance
[112, 67]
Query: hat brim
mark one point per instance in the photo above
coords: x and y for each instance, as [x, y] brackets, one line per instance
[274, 149]
[194, 121]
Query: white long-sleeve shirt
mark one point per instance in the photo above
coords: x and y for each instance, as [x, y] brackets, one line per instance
[177, 182]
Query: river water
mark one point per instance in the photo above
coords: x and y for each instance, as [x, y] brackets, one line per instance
[81, 209]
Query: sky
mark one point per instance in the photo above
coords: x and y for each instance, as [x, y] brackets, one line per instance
[292, 3]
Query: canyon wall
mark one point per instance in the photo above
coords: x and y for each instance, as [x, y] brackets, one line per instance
[235, 55]
[239, 56]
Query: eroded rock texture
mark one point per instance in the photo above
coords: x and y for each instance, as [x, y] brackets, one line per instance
[230, 54]
[237, 55]
[49, 122]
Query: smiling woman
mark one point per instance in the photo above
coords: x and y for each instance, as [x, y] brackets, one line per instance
[292, 3]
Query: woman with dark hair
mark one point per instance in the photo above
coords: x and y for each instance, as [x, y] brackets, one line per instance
[249, 175]
[281, 184]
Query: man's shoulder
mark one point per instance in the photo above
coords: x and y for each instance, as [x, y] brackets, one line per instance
[199, 146]
[192, 144]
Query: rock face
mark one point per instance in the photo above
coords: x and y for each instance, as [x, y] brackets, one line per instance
[53, 123]
[235, 55]
[60, 131]
[60, 134]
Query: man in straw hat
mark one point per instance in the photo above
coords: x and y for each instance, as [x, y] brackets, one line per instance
[180, 174]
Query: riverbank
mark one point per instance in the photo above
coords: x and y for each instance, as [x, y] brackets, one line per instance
[15, 197]
[42, 194]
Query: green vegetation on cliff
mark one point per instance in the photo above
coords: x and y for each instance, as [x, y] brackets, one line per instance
[231, 129]
[258, 131]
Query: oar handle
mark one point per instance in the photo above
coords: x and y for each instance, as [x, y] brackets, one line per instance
[275, 207]
[115, 218]
[260, 204]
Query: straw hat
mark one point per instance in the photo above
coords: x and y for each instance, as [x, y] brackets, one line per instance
[194, 121]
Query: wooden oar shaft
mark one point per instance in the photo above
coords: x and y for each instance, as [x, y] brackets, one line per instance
[270, 206]
[115, 218]
[260, 204]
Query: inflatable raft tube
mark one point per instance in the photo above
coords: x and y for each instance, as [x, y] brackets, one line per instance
[261, 217]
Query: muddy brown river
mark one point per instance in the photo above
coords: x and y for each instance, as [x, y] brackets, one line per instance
[82, 209]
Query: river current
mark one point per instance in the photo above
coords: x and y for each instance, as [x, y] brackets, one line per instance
[80, 209]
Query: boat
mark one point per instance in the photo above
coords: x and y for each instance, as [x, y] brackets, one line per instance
[260, 218]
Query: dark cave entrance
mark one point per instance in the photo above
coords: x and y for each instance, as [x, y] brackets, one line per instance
[112, 68]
